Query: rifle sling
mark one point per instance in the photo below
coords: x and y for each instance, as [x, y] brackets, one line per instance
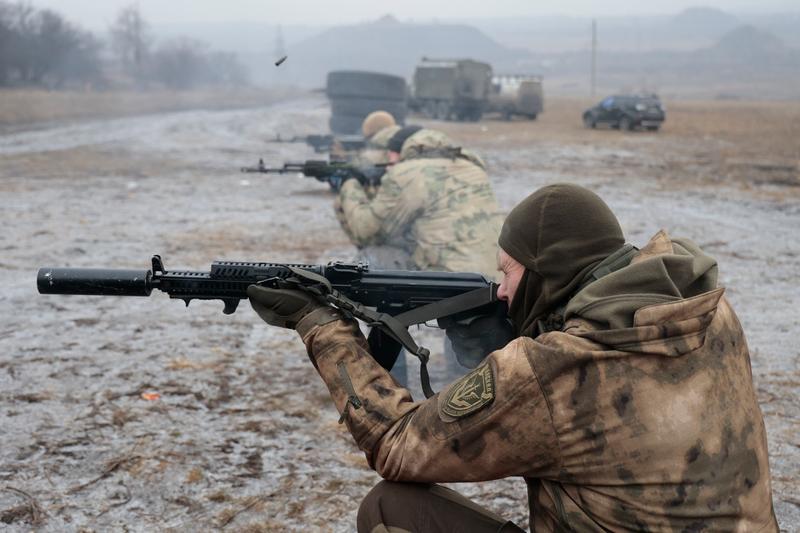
[446, 152]
[391, 327]
[396, 326]
[448, 306]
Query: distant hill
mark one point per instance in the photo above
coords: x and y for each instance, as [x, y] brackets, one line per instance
[748, 44]
[390, 46]
[704, 19]
[691, 29]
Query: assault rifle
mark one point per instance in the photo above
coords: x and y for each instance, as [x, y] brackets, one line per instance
[323, 143]
[332, 172]
[386, 300]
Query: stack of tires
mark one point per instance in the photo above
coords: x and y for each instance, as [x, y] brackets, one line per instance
[355, 94]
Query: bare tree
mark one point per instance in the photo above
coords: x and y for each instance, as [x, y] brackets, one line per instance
[40, 47]
[130, 39]
[186, 63]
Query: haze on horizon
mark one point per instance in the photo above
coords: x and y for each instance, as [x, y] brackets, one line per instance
[321, 13]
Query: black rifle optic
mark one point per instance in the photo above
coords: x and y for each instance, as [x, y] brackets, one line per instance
[386, 300]
[334, 173]
[324, 143]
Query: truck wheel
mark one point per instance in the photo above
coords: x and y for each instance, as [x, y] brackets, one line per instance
[625, 124]
[443, 111]
[365, 84]
[532, 116]
[589, 121]
[652, 128]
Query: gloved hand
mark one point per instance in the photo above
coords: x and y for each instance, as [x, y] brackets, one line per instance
[282, 307]
[473, 340]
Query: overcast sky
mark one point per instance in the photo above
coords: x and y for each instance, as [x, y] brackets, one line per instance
[99, 14]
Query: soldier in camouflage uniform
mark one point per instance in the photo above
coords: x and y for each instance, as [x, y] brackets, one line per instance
[386, 255]
[436, 202]
[434, 210]
[626, 403]
[376, 152]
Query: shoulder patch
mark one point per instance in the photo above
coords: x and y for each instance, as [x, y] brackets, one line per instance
[470, 393]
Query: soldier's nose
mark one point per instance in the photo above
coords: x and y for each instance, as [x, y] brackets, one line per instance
[502, 294]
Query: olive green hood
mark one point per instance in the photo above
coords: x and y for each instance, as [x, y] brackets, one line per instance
[560, 233]
[668, 291]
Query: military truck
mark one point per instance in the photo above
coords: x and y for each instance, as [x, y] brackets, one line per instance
[516, 94]
[451, 89]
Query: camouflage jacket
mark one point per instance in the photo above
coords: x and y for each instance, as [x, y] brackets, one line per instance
[649, 427]
[441, 208]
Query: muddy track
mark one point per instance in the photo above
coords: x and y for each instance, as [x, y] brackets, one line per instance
[141, 415]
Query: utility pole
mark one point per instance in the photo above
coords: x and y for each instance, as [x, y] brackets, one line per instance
[594, 55]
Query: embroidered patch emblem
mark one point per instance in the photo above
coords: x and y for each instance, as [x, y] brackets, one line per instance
[470, 393]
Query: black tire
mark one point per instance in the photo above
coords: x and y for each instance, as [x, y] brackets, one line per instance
[365, 84]
[350, 105]
[589, 121]
[345, 124]
[625, 123]
[532, 116]
[443, 110]
[429, 109]
[652, 128]
[475, 115]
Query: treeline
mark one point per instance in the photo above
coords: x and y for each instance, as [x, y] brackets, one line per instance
[39, 47]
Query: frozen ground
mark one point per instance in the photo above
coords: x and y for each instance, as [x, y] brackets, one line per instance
[243, 436]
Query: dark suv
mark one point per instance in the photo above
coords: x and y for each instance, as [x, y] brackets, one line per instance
[626, 113]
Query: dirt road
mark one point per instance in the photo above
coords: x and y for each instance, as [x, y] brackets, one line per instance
[140, 415]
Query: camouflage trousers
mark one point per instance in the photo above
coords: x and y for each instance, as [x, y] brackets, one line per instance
[421, 508]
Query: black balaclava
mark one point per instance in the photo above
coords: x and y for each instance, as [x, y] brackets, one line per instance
[559, 234]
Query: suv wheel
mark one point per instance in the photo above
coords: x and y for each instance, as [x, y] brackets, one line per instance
[625, 124]
[588, 120]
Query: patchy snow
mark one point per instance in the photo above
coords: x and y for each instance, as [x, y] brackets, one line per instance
[244, 434]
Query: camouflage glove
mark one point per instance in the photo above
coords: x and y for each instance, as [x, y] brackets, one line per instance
[283, 307]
